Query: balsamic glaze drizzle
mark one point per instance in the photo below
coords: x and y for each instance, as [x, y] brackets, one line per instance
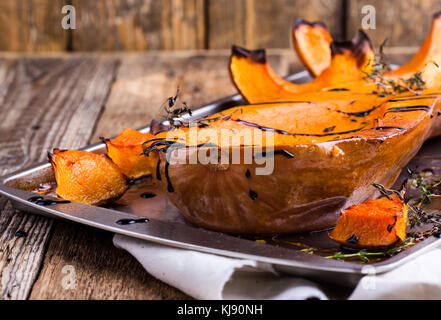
[408, 109]
[169, 185]
[359, 114]
[253, 195]
[254, 125]
[339, 89]
[329, 129]
[45, 202]
[353, 239]
[389, 127]
[124, 222]
[147, 195]
[158, 170]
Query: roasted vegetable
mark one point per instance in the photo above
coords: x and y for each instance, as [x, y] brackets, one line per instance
[379, 223]
[257, 81]
[312, 42]
[126, 152]
[330, 146]
[87, 177]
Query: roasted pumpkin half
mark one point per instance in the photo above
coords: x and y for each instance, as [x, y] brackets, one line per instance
[312, 43]
[378, 223]
[87, 177]
[257, 81]
[329, 147]
[126, 152]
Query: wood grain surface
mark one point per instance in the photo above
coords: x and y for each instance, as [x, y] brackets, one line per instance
[44, 102]
[138, 25]
[32, 25]
[128, 25]
[266, 24]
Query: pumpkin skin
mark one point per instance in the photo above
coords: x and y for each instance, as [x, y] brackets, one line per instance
[329, 169]
[257, 81]
[87, 177]
[312, 43]
[126, 152]
[379, 223]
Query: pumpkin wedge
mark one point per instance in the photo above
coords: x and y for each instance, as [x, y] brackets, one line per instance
[379, 223]
[329, 147]
[126, 152]
[86, 177]
[312, 43]
[257, 81]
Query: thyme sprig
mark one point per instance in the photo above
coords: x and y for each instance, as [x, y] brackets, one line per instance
[364, 255]
[428, 190]
[387, 87]
[173, 111]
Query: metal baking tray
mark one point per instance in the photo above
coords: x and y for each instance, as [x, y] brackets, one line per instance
[164, 225]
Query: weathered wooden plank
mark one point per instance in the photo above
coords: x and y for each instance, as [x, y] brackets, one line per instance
[404, 23]
[99, 270]
[139, 25]
[44, 103]
[267, 24]
[32, 25]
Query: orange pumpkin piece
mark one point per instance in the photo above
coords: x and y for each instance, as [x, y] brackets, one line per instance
[87, 177]
[312, 43]
[258, 82]
[378, 223]
[126, 152]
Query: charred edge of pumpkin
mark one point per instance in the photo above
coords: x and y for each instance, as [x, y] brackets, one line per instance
[359, 46]
[105, 140]
[437, 15]
[50, 157]
[300, 22]
[258, 56]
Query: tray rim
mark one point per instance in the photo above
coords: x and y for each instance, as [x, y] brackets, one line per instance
[106, 221]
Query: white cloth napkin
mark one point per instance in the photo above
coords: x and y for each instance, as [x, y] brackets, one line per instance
[208, 276]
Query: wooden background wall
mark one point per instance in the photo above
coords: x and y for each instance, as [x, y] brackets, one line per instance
[110, 25]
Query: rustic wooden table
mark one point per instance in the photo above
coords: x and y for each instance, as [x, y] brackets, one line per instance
[69, 101]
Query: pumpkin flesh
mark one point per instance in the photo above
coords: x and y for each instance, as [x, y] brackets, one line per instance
[126, 152]
[312, 43]
[87, 177]
[379, 223]
[257, 81]
[317, 171]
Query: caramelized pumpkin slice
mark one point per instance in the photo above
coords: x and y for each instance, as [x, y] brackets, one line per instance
[126, 152]
[312, 42]
[257, 81]
[87, 177]
[379, 223]
[329, 147]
